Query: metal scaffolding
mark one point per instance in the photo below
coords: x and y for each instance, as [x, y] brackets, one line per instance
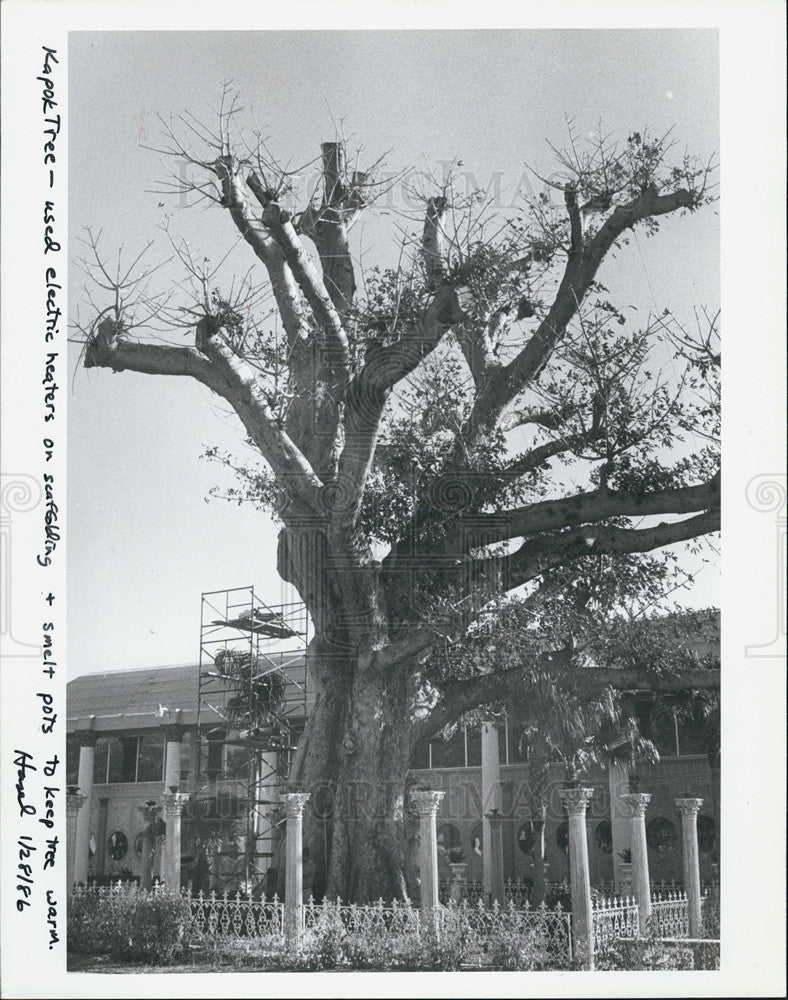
[253, 691]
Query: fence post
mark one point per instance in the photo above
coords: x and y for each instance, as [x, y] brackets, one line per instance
[689, 853]
[173, 805]
[426, 804]
[576, 801]
[74, 803]
[294, 803]
[642, 883]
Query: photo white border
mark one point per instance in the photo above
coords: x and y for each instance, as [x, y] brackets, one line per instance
[752, 152]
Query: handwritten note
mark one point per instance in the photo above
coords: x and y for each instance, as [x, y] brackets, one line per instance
[38, 768]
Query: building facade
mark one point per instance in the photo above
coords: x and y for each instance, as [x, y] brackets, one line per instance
[135, 735]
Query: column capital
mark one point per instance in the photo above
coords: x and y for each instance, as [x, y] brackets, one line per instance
[426, 802]
[174, 803]
[86, 737]
[74, 802]
[688, 807]
[638, 801]
[494, 816]
[576, 800]
[294, 803]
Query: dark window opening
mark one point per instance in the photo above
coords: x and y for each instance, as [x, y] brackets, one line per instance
[603, 837]
[562, 836]
[706, 834]
[72, 764]
[122, 759]
[150, 763]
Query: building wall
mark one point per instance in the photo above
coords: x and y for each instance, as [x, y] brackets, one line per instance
[116, 810]
[666, 781]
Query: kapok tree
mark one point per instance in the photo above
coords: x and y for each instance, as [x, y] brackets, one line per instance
[432, 435]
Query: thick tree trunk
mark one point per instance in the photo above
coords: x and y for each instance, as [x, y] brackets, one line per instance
[353, 759]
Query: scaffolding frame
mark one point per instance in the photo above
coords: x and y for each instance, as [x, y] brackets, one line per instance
[240, 750]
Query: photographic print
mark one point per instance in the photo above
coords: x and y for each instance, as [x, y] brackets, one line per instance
[392, 359]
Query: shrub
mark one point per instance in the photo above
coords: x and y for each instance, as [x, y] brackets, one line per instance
[331, 946]
[645, 955]
[129, 924]
[444, 952]
[513, 949]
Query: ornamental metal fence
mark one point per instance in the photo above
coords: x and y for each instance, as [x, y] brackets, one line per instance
[229, 916]
[658, 886]
[548, 929]
[618, 916]
[520, 892]
[710, 911]
[515, 891]
[233, 917]
[614, 917]
[669, 915]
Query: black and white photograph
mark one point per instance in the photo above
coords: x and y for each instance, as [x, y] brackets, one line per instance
[373, 612]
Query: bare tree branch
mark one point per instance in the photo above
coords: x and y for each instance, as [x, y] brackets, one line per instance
[580, 271]
[538, 554]
[279, 224]
[216, 366]
[598, 505]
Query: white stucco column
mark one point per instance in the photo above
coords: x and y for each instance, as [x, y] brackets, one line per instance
[87, 756]
[173, 736]
[689, 853]
[74, 802]
[576, 801]
[641, 880]
[620, 811]
[150, 813]
[294, 803]
[491, 801]
[171, 861]
[426, 804]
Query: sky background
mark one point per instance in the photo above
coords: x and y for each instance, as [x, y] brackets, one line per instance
[143, 542]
